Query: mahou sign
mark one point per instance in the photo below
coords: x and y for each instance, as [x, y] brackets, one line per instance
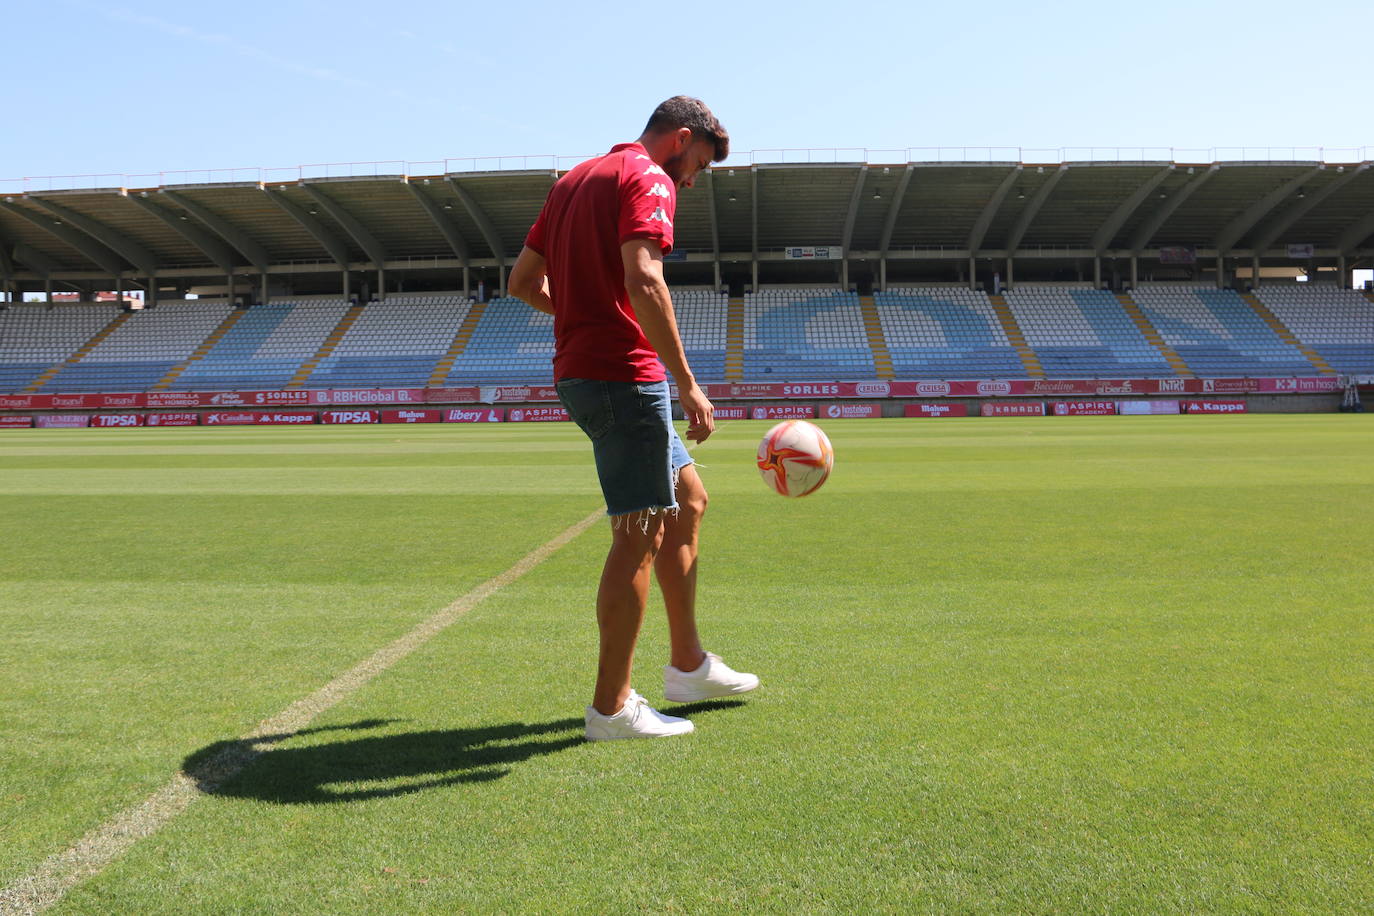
[935, 410]
[412, 416]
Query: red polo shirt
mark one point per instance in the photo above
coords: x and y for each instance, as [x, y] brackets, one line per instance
[589, 214]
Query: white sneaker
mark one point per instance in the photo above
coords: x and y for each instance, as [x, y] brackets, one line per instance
[636, 719]
[711, 680]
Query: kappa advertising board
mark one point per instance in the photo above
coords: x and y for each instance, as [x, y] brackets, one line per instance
[1215, 407]
[16, 422]
[473, 415]
[1015, 409]
[935, 410]
[258, 418]
[784, 412]
[1084, 408]
[62, 421]
[412, 416]
[537, 414]
[852, 411]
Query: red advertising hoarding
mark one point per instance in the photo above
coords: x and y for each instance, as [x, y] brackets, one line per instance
[284, 418]
[935, 410]
[524, 394]
[784, 412]
[13, 422]
[62, 421]
[452, 395]
[412, 415]
[474, 415]
[732, 413]
[1014, 409]
[18, 401]
[1084, 408]
[349, 416]
[371, 396]
[172, 419]
[536, 414]
[1146, 408]
[1297, 385]
[112, 420]
[852, 411]
[1215, 407]
[235, 418]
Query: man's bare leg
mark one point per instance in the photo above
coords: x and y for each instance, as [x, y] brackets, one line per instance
[620, 603]
[676, 570]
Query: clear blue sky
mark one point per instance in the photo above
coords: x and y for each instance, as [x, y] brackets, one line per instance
[143, 86]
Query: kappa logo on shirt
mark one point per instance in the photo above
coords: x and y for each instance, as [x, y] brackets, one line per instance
[661, 216]
[654, 170]
[640, 156]
[659, 190]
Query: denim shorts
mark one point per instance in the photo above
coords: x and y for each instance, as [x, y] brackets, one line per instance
[638, 453]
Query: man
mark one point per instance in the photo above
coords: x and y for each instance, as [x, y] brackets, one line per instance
[594, 260]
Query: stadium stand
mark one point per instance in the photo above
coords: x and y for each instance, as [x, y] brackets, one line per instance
[394, 343]
[266, 348]
[1337, 323]
[512, 344]
[143, 349]
[1084, 333]
[805, 334]
[701, 320]
[945, 332]
[1217, 333]
[34, 338]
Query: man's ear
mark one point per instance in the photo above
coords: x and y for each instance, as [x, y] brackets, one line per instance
[683, 136]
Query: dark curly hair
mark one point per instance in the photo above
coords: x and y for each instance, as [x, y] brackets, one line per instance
[685, 111]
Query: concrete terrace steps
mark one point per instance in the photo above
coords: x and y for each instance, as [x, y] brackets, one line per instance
[205, 347]
[1015, 337]
[80, 354]
[326, 348]
[873, 326]
[1148, 329]
[1286, 335]
[734, 340]
[459, 344]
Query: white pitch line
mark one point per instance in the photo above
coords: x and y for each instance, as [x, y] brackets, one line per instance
[104, 844]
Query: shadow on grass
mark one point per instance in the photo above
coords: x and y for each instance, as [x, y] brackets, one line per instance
[381, 766]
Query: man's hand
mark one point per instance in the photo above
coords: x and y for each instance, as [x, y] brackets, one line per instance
[701, 414]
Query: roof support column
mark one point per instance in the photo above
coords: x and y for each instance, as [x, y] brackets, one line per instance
[1011, 273]
[346, 292]
[467, 282]
[1254, 271]
[150, 297]
[1135, 271]
[1097, 271]
[973, 272]
[1342, 278]
[1221, 271]
[754, 222]
[263, 296]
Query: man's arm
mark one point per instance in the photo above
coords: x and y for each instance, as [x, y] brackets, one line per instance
[653, 305]
[529, 280]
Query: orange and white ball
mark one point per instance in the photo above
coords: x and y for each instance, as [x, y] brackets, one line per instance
[795, 458]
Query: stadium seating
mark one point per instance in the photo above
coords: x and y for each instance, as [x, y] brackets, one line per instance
[1084, 333]
[35, 337]
[265, 348]
[143, 349]
[805, 334]
[701, 320]
[1337, 323]
[393, 344]
[945, 332]
[512, 344]
[1217, 333]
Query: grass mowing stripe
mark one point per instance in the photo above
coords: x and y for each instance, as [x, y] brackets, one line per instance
[106, 843]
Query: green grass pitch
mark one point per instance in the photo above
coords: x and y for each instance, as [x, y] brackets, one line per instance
[1109, 665]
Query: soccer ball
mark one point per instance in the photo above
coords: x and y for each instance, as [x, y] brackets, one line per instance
[795, 458]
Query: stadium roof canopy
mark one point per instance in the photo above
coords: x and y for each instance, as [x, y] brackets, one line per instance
[945, 218]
